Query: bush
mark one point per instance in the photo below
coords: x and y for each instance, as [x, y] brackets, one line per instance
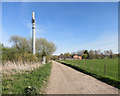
[22, 50]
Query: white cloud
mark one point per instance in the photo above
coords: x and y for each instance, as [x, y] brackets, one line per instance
[104, 42]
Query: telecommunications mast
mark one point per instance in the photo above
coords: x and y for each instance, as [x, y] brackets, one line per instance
[33, 32]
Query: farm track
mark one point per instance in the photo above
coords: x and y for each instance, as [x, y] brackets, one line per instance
[65, 80]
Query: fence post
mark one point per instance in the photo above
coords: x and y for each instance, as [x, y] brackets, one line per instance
[116, 76]
[105, 69]
[92, 67]
[99, 70]
[84, 66]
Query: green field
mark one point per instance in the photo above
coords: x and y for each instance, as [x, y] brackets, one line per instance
[31, 82]
[96, 68]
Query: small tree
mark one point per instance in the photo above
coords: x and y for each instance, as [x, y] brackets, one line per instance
[45, 48]
[85, 56]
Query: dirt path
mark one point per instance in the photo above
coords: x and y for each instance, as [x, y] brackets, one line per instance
[65, 80]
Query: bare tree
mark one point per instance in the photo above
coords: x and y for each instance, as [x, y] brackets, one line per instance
[45, 48]
[80, 52]
[91, 54]
[21, 43]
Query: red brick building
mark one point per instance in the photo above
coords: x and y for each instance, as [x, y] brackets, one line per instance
[76, 57]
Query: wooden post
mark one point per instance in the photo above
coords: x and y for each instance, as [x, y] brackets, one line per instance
[99, 70]
[116, 76]
[105, 69]
[84, 66]
[91, 67]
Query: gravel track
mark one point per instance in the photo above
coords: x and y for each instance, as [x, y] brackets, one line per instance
[65, 80]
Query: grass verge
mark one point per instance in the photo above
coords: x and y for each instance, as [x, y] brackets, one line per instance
[32, 82]
[104, 78]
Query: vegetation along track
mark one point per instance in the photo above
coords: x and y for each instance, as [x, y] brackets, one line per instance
[30, 82]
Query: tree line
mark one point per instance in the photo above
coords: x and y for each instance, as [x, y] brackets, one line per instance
[91, 54]
[21, 50]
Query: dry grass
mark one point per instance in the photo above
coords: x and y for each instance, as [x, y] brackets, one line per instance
[9, 68]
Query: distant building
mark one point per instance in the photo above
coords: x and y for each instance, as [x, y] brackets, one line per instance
[60, 58]
[69, 59]
[80, 57]
[76, 57]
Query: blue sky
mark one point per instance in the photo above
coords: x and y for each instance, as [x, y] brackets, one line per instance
[71, 26]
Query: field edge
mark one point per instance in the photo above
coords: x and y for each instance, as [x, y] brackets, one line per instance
[105, 79]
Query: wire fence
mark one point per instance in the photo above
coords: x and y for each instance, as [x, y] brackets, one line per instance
[108, 68]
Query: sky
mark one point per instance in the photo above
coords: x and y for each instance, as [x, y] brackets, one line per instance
[72, 26]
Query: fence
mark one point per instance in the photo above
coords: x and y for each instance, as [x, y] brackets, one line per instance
[107, 67]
